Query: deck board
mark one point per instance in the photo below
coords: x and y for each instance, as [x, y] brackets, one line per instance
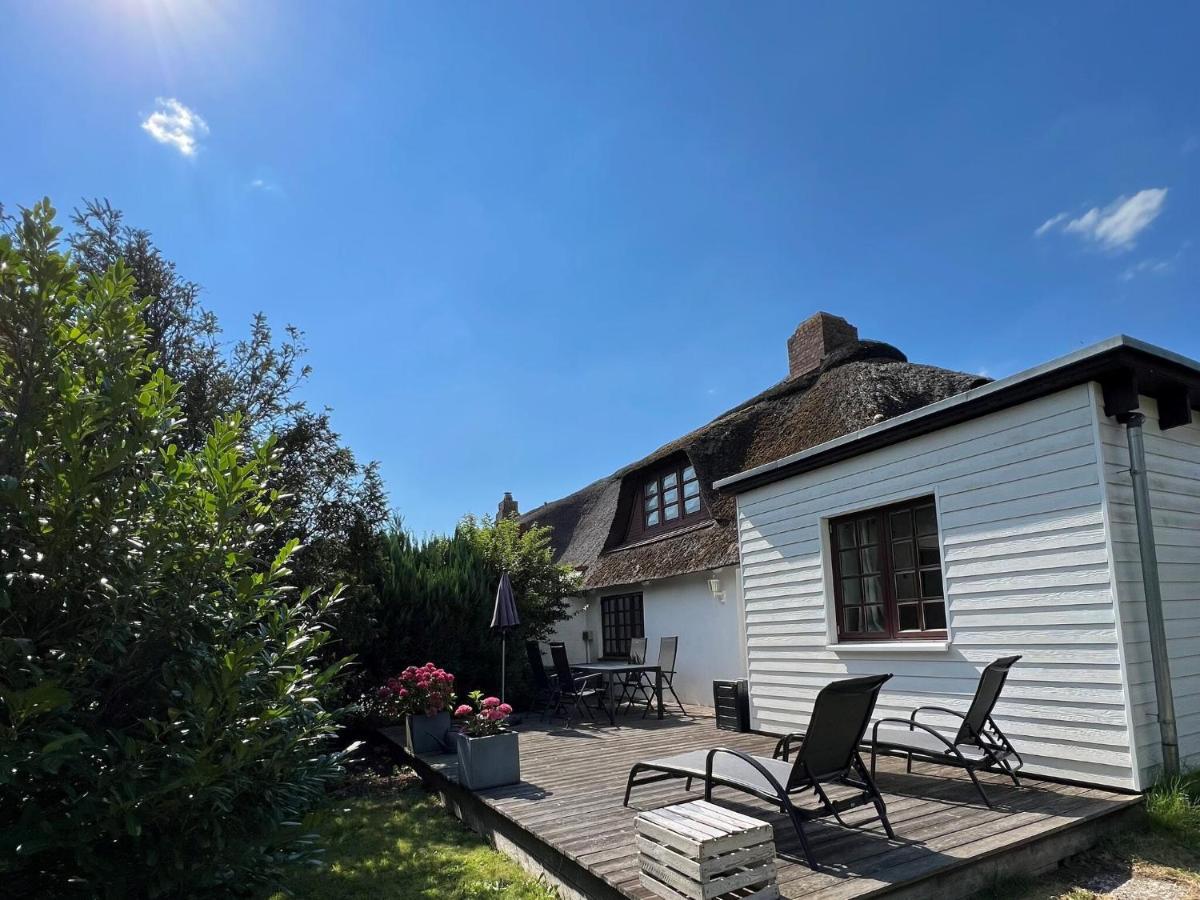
[569, 806]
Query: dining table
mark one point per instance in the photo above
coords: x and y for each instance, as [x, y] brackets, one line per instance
[611, 668]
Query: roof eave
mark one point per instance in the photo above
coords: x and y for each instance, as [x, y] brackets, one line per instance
[1108, 359]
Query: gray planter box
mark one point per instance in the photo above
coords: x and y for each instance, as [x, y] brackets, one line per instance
[485, 762]
[428, 734]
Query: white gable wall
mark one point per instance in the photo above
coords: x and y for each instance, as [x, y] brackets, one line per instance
[1026, 566]
[711, 642]
[1173, 466]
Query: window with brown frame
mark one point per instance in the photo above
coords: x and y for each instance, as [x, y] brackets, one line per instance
[887, 571]
[667, 499]
[620, 621]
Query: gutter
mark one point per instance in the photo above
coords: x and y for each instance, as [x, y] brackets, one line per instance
[1160, 656]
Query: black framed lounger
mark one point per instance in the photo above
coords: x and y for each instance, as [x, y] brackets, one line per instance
[979, 744]
[826, 754]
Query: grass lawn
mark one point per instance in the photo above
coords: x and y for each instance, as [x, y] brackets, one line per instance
[1160, 861]
[403, 844]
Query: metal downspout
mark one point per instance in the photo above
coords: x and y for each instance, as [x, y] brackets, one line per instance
[1154, 605]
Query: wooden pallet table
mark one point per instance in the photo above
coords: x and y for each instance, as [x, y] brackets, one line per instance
[701, 851]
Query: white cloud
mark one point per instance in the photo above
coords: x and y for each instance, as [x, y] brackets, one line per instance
[1049, 223]
[1161, 265]
[175, 124]
[1116, 226]
[267, 187]
[1146, 267]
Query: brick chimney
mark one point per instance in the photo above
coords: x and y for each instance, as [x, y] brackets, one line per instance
[814, 339]
[508, 507]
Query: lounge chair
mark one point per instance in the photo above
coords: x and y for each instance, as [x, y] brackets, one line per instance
[543, 681]
[668, 650]
[572, 691]
[978, 744]
[826, 754]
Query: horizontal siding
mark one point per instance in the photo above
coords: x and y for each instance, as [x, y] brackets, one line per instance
[1173, 470]
[1026, 571]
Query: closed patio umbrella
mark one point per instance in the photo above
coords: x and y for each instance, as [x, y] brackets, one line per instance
[504, 617]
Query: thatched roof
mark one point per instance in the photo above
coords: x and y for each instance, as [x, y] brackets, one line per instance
[858, 384]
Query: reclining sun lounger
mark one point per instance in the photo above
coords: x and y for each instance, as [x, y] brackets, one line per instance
[978, 744]
[826, 754]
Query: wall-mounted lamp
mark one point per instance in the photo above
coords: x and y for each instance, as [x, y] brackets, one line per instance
[714, 585]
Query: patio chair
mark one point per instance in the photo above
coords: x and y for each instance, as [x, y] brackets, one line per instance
[978, 744]
[827, 753]
[543, 681]
[668, 649]
[634, 684]
[572, 691]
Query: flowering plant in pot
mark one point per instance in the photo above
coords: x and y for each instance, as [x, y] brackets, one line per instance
[488, 753]
[423, 696]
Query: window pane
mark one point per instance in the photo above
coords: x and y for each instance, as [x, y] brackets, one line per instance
[691, 505]
[851, 590]
[652, 518]
[651, 503]
[671, 496]
[689, 474]
[670, 511]
[844, 534]
[935, 616]
[651, 488]
[931, 582]
[906, 585]
[874, 618]
[870, 560]
[901, 523]
[691, 488]
[669, 480]
[872, 589]
[926, 520]
[902, 555]
[848, 562]
[852, 619]
[868, 531]
[910, 616]
[927, 551]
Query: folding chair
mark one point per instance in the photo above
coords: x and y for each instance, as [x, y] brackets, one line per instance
[668, 649]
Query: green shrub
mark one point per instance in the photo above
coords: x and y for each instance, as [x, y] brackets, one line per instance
[162, 726]
[435, 599]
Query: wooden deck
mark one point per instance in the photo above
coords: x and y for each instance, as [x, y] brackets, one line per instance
[566, 820]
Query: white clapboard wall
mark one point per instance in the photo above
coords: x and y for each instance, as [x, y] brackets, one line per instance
[1173, 465]
[1026, 564]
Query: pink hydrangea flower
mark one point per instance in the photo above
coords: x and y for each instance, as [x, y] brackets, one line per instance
[491, 702]
[505, 708]
[464, 710]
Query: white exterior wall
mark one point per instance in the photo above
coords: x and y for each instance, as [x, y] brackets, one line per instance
[1173, 466]
[711, 642]
[1026, 564]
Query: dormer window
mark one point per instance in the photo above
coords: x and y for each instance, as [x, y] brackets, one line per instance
[669, 498]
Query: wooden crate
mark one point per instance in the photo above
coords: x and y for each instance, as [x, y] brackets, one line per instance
[701, 851]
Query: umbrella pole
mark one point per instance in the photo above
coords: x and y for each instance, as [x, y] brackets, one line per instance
[503, 655]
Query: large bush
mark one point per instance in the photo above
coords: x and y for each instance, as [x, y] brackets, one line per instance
[436, 597]
[162, 726]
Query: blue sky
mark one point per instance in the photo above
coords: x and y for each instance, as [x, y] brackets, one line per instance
[529, 243]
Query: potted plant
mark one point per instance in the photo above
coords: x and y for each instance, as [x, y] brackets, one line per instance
[424, 697]
[488, 755]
